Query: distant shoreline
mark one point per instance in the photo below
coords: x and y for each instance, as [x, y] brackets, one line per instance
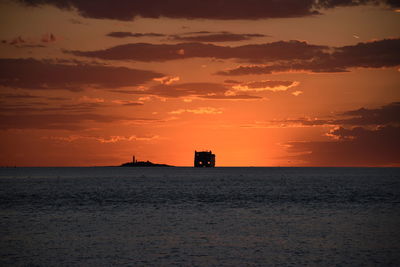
[143, 164]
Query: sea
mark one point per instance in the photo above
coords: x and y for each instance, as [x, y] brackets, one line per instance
[181, 216]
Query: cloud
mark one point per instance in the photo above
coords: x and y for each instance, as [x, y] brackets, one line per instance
[201, 90]
[127, 102]
[205, 9]
[297, 93]
[367, 137]
[104, 140]
[275, 51]
[353, 147]
[201, 36]
[201, 110]
[267, 85]
[45, 74]
[231, 97]
[19, 96]
[131, 34]
[386, 115]
[32, 107]
[86, 99]
[375, 54]
[216, 37]
[167, 79]
[79, 116]
[232, 82]
[26, 96]
[61, 121]
[187, 89]
[338, 3]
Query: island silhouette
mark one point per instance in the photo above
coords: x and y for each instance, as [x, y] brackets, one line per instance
[136, 163]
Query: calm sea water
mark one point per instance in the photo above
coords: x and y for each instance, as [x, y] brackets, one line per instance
[199, 217]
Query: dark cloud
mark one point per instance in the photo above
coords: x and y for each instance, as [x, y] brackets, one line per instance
[36, 74]
[353, 147]
[205, 9]
[282, 50]
[367, 137]
[338, 3]
[70, 116]
[376, 54]
[62, 121]
[19, 108]
[252, 70]
[132, 34]
[25, 96]
[216, 37]
[386, 115]
[198, 32]
[19, 96]
[57, 98]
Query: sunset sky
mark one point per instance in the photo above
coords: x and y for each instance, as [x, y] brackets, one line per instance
[258, 82]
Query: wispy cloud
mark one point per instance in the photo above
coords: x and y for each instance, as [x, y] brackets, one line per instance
[198, 111]
[104, 140]
[265, 85]
[133, 34]
[297, 93]
[213, 37]
[167, 79]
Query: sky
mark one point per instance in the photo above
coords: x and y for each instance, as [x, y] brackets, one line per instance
[257, 82]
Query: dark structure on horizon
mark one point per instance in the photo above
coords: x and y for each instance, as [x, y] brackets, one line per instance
[136, 163]
[204, 159]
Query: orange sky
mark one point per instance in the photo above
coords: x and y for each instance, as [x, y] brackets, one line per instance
[291, 84]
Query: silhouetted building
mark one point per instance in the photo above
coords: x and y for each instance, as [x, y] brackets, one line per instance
[204, 159]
